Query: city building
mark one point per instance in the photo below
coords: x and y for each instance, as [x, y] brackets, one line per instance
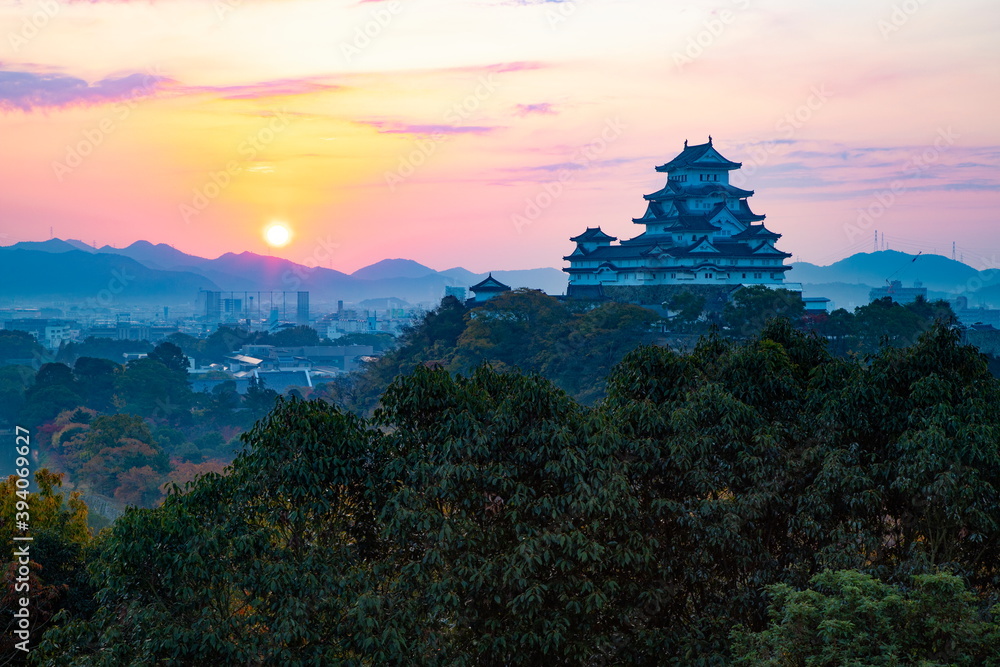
[49, 333]
[698, 230]
[971, 317]
[898, 293]
[816, 304]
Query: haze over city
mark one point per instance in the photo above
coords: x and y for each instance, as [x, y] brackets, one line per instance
[486, 133]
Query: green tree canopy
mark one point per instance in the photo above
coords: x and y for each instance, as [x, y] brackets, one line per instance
[850, 618]
[493, 519]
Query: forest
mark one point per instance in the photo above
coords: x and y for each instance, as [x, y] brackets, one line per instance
[535, 483]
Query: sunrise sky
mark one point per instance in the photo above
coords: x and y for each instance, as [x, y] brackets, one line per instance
[438, 130]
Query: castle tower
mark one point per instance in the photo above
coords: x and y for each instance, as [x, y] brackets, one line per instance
[699, 230]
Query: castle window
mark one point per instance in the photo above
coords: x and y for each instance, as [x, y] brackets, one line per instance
[673, 275]
[744, 276]
[757, 276]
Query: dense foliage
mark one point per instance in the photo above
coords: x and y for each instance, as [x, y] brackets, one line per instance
[573, 344]
[849, 618]
[121, 431]
[492, 519]
[58, 578]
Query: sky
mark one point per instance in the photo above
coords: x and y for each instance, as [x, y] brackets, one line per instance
[486, 133]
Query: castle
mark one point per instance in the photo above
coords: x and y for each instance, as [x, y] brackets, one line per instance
[699, 230]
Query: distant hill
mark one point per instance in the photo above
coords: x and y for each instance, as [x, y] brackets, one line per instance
[96, 279]
[393, 268]
[463, 276]
[159, 256]
[80, 245]
[934, 271]
[52, 245]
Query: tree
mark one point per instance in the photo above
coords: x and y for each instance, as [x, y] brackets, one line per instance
[103, 348]
[294, 337]
[96, 379]
[688, 306]
[170, 356]
[150, 387]
[380, 342]
[54, 390]
[14, 381]
[493, 519]
[750, 308]
[57, 567]
[19, 345]
[222, 342]
[596, 340]
[849, 618]
[259, 400]
[262, 566]
[511, 329]
[191, 347]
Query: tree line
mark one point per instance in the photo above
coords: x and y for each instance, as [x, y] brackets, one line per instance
[758, 502]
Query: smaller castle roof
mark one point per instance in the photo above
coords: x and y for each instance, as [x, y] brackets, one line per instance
[490, 284]
[594, 234]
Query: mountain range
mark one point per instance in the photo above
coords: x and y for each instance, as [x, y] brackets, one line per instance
[158, 273]
[848, 281]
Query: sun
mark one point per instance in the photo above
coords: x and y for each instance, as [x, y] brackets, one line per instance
[277, 234]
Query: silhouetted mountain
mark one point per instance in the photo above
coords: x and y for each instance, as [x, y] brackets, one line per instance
[159, 256]
[80, 245]
[52, 245]
[393, 268]
[96, 279]
[247, 271]
[934, 271]
[463, 276]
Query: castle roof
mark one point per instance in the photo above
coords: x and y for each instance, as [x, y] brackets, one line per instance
[593, 234]
[490, 284]
[645, 245]
[756, 232]
[701, 156]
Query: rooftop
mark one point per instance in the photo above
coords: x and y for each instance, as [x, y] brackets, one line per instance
[702, 155]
